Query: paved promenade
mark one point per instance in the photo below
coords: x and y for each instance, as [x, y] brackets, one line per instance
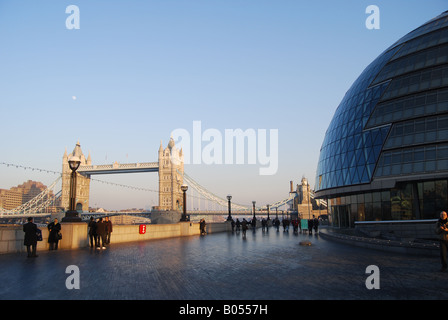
[223, 266]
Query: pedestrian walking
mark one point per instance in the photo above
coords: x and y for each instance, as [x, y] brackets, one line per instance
[108, 230]
[295, 225]
[101, 234]
[442, 231]
[232, 223]
[54, 234]
[202, 227]
[254, 224]
[244, 227]
[310, 226]
[285, 223]
[30, 240]
[238, 224]
[92, 233]
[315, 224]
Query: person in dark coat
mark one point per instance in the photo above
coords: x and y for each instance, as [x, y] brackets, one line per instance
[54, 229]
[263, 224]
[30, 240]
[202, 227]
[92, 232]
[310, 226]
[254, 223]
[108, 229]
[244, 227]
[101, 234]
[276, 223]
[238, 224]
[315, 224]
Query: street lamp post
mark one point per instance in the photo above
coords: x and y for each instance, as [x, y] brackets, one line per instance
[268, 210]
[253, 203]
[72, 214]
[229, 218]
[184, 189]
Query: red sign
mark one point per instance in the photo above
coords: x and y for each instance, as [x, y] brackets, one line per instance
[142, 229]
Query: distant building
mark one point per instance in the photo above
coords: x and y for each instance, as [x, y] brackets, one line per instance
[303, 203]
[125, 219]
[16, 196]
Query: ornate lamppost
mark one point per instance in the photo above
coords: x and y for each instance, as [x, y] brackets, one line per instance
[268, 210]
[72, 214]
[229, 218]
[184, 189]
[253, 203]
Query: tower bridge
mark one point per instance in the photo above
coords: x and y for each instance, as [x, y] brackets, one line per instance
[170, 169]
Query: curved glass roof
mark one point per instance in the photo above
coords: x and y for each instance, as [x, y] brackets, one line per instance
[407, 81]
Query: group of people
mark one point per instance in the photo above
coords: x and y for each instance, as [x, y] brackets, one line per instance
[243, 225]
[34, 234]
[313, 224]
[100, 232]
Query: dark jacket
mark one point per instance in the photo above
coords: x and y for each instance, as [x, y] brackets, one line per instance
[30, 230]
[100, 228]
[108, 226]
[53, 229]
[443, 235]
[92, 228]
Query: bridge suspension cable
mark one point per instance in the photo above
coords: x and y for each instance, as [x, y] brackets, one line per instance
[37, 204]
[48, 197]
[212, 197]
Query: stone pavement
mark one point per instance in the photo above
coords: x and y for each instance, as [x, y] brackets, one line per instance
[224, 266]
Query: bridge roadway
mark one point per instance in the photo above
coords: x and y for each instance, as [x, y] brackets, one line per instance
[224, 266]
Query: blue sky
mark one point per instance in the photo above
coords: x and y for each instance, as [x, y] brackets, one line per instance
[141, 69]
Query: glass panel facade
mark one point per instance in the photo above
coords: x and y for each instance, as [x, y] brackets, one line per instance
[423, 59]
[438, 23]
[415, 160]
[417, 105]
[349, 152]
[419, 131]
[406, 201]
[391, 128]
[431, 39]
[418, 81]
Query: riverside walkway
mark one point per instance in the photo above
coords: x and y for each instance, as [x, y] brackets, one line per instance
[224, 266]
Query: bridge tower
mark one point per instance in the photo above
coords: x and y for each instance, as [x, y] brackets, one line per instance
[82, 182]
[170, 167]
[171, 172]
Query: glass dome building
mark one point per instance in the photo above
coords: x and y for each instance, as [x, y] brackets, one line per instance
[385, 152]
